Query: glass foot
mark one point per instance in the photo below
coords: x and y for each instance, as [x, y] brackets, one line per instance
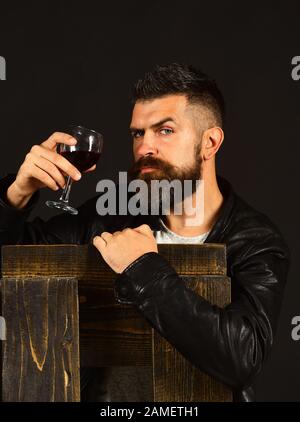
[62, 206]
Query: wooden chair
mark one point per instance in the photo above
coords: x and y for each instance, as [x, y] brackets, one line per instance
[60, 310]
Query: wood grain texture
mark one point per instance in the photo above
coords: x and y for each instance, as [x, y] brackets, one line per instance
[112, 334]
[85, 263]
[41, 352]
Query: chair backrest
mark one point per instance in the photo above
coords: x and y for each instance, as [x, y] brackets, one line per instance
[56, 298]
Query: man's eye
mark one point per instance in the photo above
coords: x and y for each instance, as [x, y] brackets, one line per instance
[167, 131]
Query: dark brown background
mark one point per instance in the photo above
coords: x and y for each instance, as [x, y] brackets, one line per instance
[75, 62]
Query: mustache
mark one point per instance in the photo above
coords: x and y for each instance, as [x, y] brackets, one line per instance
[148, 161]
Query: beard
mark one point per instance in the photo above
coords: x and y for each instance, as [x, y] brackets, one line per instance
[166, 171]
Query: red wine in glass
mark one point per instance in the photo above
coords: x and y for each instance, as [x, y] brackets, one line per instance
[83, 155]
[82, 160]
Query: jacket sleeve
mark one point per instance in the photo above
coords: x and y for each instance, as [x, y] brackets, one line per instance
[229, 344]
[62, 228]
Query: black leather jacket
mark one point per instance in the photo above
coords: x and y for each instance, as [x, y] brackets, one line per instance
[230, 344]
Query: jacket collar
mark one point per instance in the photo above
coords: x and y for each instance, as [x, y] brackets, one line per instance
[226, 210]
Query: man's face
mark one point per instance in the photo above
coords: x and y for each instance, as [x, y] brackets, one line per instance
[166, 140]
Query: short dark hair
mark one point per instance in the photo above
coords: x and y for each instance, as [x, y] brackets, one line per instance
[176, 78]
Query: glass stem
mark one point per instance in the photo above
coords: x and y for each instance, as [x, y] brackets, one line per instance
[66, 192]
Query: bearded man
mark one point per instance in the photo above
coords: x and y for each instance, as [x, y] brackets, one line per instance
[177, 129]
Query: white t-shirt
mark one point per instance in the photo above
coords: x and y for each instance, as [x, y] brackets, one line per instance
[167, 236]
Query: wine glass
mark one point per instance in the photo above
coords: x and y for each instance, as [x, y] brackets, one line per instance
[83, 155]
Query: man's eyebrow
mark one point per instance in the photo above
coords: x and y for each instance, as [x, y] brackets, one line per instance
[154, 125]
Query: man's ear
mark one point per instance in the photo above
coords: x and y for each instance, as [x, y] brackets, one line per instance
[211, 141]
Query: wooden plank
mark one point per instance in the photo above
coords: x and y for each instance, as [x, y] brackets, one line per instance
[110, 331]
[204, 259]
[176, 379]
[41, 352]
[112, 334]
[85, 263]
[104, 324]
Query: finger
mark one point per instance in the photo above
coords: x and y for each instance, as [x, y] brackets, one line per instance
[99, 243]
[143, 229]
[43, 177]
[58, 160]
[50, 168]
[59, 138]
[106, 236]
[90, 169]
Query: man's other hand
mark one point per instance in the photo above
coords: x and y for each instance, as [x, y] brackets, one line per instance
[121, 248]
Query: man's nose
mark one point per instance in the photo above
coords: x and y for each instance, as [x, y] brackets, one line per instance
[146, 146]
